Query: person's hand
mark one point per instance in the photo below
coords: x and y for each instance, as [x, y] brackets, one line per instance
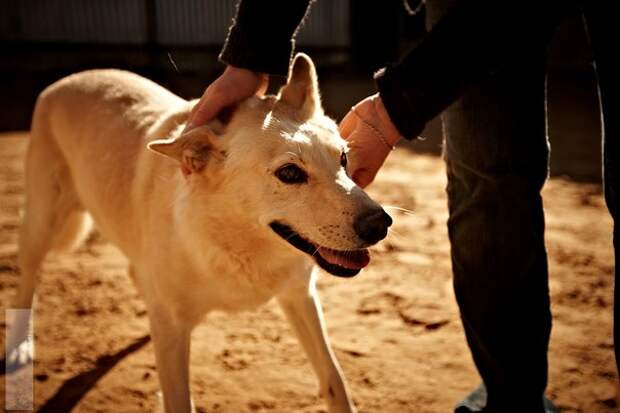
[233, 86]
[371, 137]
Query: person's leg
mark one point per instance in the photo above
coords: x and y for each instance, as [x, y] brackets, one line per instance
[497, 155]
[604, 32]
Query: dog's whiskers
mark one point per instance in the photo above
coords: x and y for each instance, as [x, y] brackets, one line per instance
[394, 234]
[316, 250]
[290, 236]
[404, 210]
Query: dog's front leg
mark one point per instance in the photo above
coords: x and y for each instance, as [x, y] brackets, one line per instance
[303, 310]
[171, 339]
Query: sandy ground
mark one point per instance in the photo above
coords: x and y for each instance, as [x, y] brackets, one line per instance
[395, 327]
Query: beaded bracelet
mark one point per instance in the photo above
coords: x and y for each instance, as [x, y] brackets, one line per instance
[378, 133]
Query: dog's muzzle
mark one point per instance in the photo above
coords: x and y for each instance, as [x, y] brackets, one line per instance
[340, 263]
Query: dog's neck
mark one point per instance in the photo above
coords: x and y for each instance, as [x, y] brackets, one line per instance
[214, 233]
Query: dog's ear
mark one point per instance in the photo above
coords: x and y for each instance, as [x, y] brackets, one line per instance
[192, 149]
[302, 90]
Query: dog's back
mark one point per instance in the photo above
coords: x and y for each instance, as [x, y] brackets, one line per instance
[84, 127]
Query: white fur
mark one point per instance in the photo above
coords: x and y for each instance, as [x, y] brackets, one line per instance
[198, 241]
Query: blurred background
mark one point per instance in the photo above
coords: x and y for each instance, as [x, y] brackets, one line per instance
[176, 43]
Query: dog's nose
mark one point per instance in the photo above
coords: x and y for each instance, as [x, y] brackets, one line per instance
[371, 226]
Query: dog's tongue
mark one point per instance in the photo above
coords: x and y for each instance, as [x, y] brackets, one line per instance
[354, 260]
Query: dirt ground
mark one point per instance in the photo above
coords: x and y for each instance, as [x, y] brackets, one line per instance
[395, 327]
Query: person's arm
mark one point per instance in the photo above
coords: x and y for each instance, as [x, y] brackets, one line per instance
[472, 41]
[260, 42]
[261, 37]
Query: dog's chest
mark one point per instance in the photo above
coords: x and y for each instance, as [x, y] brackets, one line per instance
[240, 283]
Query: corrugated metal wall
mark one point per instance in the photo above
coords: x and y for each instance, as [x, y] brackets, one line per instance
[328, 24]
[193, 22]
[177, 22]
[74, 21]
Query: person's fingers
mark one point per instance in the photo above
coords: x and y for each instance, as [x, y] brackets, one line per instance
[363, 177]
[233, 86]
[363, 166]
[199, 113]
[366, 155]
[262, 88]
[211, 103]
[359, 164]
[201, 116]
[347, 124]
[356, 154]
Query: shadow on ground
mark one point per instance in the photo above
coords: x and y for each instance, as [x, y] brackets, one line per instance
[74, 389]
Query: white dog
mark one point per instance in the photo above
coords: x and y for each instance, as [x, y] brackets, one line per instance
[226, 216]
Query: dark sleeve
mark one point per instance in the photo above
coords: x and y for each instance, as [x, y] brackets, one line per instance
[472, 41]
[261, 37]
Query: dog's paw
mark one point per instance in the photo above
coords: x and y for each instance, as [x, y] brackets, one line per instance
[161, 407]
[17, 358]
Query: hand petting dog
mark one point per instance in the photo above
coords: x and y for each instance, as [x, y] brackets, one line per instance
[371, 137]
[233, 86]
[367, 127]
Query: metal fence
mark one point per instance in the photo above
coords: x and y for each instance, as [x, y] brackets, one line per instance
[164, 22]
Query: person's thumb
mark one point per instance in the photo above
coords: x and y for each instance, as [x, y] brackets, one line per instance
[363, 177]
[208, 108]
[347, 125]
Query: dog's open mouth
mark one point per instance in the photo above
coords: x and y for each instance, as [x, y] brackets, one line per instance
[340, 263]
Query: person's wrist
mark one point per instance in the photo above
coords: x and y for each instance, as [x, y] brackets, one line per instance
[391, 134]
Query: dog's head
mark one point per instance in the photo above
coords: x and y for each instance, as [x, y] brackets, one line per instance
[281, 166]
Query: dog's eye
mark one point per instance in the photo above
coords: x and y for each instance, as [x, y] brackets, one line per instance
[343, 160]
[292, 174]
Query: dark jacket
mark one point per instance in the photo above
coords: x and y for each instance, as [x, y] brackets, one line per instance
[476, 38]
